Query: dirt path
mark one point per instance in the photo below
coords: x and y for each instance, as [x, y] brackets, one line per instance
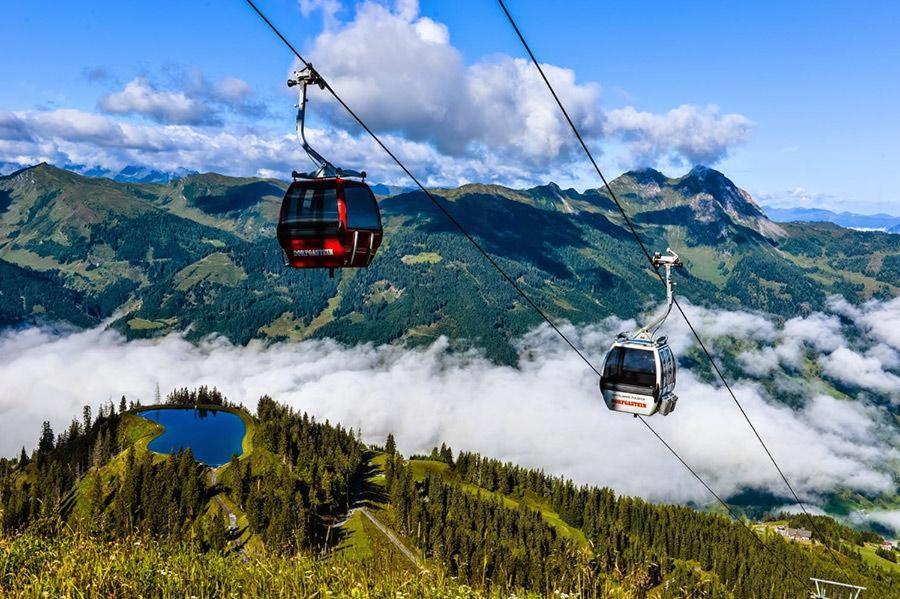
[232, 517]
[393, 539]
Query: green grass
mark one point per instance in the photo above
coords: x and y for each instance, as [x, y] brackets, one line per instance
[379, 461]
[214, 268]
[423, 468]
[869, 556]
[383, 291]
[293, 329]
[703, 263]
[79, 566]
[357, 544]
[422, 258]
[140, 324]
[285, 326]
[138, 431]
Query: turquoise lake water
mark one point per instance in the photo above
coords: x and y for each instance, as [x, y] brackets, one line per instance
[213, 436]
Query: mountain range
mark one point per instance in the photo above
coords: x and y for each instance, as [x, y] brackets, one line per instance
[199, 254]
[871, 222]
[129, 174]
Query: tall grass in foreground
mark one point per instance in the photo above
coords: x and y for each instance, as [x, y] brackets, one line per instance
[77, 565]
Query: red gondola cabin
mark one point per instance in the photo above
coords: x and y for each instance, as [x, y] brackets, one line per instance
[329, 223]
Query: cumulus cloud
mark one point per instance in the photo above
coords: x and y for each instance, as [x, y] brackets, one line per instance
[546, 412]
[68, 136]
[400, 71]
[451, 121]
[860, 371]
[192, 100]
[686, 134]
[140, 97]
[328, 8]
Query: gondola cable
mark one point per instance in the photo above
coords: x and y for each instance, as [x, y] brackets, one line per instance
[499, 269]
[431, 197]
[637, 237]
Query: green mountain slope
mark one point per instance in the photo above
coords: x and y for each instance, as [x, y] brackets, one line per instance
[199, 254]
[314, 493]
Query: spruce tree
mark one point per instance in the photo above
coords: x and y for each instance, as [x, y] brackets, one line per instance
[47, 440]
[86, 420]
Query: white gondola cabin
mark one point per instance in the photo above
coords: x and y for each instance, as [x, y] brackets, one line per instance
[638, 374]
[639, 377]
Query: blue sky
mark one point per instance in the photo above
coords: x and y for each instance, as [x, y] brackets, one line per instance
[797, 102]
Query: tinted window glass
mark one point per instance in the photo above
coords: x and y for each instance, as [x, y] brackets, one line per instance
[638, 367]
[310, 211]
[668, 365]
[613, 360]
[362, 209]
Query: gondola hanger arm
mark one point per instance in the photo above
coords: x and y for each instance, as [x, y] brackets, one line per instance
[303, 78]
[668, 261]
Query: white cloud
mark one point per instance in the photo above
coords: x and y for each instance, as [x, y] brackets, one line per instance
[490, 121]
[232, 89]
[140, 97]
[546, 413]
[860, 371]
[817, 332]
[328, 8]
[887, 518]
[68, 136]
[192, 100]
[686, 134]
[400, 72]
[879, 320]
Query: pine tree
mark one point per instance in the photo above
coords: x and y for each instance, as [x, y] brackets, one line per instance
[47, 440]
[122, 405]
[390, 446]
[86, 420]
[23, 458]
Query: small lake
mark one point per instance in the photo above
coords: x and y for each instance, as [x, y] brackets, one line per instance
[213, 436]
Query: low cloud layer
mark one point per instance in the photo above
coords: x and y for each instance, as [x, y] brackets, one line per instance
[546, 413]
[867, 361]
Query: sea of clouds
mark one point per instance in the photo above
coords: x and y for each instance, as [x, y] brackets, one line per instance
[546, 412]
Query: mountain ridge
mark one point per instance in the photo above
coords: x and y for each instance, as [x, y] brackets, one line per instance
[171, 254]
[852, 220]
[300, 488]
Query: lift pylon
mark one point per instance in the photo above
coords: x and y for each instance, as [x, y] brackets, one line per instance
[829, 589]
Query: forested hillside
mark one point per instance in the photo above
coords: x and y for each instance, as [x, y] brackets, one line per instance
[199, 255]
[94, 498]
